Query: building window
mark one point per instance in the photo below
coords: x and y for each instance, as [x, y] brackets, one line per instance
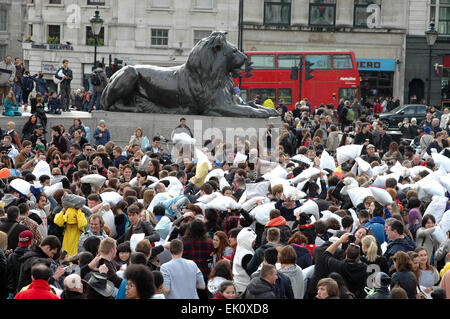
[90, 39]
[3, 51]
[363, 13]
[160, 37]
[30, 30]
[160, 4]
[54, 2]
[322, 13]
[95, 3]
[3, 20]
[54, 34]
[277, 13]
[200, 34]
[444, 15]
[203, 4]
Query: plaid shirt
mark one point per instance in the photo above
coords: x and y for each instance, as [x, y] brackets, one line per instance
[34, 227]
[198, 251]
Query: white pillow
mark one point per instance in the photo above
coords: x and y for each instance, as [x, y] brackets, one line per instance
[380, 181]
[257, 189]
[278, 171]
[380, 169]
[93, 179]
[442, 160]
[251, 203]
[175, 187]
[158, 200]
[353, 184]
[445, 181]
[239, 158]
[415, 170]
[326, 161]
[358, 194]
[49, 190]
[42, 168]
[363, 165]
[205, 199]
[293, 193]
[21, 186]
[218, 172]
[327, 215]
[309, 207]
[429, 186]
[305, 175]
[302, 158]
[202, 158]
[223, 203]
[262, 212]
[437, 207]
[348, 152]
[183, 138]
[111, 197]
[381, 195]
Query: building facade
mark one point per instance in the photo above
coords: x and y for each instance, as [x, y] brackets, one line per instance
[12, 13]
[159, 32]
[374, 29]
[421, 72]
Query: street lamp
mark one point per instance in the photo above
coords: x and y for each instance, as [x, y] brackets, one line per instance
[96, 27]
[431, 36]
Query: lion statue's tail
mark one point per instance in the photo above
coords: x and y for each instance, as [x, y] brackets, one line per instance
[119, 92]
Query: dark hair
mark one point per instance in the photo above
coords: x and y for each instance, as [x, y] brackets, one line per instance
[138, 258]
[12, 212]
[426, 218]
[40, 271]
[343, 290]
[197, 230]
[176, 247]
[222, 269]
[413, 202]
[85, 257]
[91, 245]
[346, 221]
[124, 247]
[142, 277]
[271, 255]
[158, 278]
[51, 241]
[397, 226]
[159, 210]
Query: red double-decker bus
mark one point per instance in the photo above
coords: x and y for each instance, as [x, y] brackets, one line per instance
[284, 75]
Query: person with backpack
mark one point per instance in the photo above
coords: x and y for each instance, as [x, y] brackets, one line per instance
[99, 81]
[65, 76]
[28, 87]
[347, 115]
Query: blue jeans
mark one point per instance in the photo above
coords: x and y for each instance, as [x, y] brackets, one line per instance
[95, 98]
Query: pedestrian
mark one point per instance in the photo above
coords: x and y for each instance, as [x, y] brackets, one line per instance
[99, 82]
[7, 76]
[262, 287]
[327, 288]
[39, 287]
[101, 134]
[403, 275]
[12, 227]
[226, 290]
[64, 85]
[140, 283]
[288, 259]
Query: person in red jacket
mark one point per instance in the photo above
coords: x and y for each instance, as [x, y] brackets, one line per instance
[39, 287]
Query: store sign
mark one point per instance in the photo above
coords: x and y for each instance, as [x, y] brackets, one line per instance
[49, 67]
[376, 65]
[65, 47]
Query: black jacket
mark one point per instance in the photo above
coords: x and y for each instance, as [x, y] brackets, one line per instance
[27, 261]
[354, 273]
[259, 288]
[384, 142]
[380, 293]
[13, 237]
[407, 280]
[13, 268]
[67, 294]
[142, 227]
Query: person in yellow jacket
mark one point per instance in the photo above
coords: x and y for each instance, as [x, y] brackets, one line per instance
[74, 221]
[269, 103]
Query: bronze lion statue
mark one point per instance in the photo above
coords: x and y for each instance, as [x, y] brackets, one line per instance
[201, 86]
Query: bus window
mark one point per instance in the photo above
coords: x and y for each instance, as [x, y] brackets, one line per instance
[322, 61]
[244, 95]
[342, 61]
[347, 94]
[286, 95]
[264, 93]
[263, 61]
[287, 61]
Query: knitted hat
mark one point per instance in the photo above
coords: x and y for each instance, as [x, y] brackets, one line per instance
[427, 129]
[382, 280]
[25, 238]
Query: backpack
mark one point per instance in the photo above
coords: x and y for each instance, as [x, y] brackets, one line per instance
[96, 78]
[29, 86]
[350, 115]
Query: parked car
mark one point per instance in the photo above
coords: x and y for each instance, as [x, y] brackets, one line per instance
[409, 111]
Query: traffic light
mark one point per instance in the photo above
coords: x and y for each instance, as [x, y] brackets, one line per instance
[309, 70]
[294, 73]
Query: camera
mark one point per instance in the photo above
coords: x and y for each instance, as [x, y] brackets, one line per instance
[94, 168]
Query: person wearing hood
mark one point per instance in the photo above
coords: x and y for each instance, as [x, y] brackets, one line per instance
[99, 81]
[376, 225]
[12, 228]
[351, 268]
[277, 221]
[381, 283]
[273, 240]
[304, 256]
[397, 240]
[244, 253]
[414, 215]
[262, 287]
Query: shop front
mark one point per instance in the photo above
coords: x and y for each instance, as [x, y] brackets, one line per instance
[377, 78]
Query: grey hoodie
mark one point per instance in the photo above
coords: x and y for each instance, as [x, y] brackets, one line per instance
[295, 274]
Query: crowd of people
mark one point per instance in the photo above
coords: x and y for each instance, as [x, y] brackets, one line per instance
[20, 89]
[343, 212]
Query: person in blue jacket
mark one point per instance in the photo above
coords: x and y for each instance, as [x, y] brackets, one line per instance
[41, 83]
[376, 224]
[101, 133]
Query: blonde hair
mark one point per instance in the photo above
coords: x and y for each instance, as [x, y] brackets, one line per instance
[3, 241]
[106, 244]
[370, 243]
